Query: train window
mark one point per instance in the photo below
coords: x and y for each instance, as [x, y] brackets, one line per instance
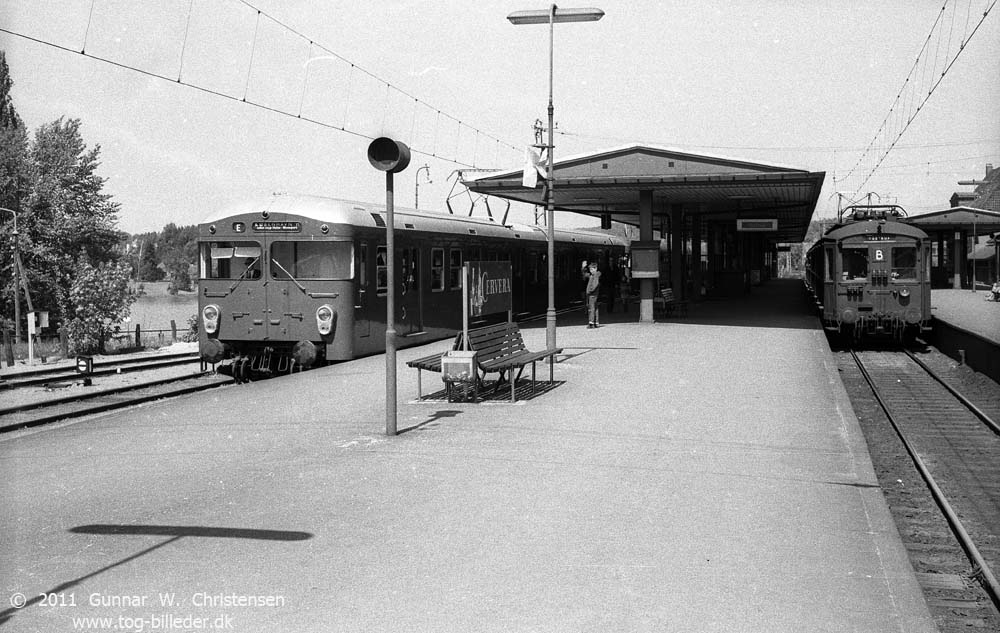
[312, 260]
[829, 264]
[455, 269]
[381, 270]
[904, 262]
[230, 260]
[437, 269]
[855, 263]
[363, 266]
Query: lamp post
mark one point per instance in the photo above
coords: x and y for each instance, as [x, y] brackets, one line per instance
[550, 16]
[17, 280]
[392, 157]
[416, 184]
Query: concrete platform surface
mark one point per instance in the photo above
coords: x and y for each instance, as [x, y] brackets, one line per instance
[700, 474]
[968, 310]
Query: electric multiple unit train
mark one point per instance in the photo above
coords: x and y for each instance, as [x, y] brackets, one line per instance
[290, 281]
[870, 274]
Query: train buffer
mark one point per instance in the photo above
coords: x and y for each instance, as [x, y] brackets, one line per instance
[498, 349]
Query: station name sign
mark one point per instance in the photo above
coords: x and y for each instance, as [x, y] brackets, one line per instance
[770, 224]
[277, 227]
[489, 287]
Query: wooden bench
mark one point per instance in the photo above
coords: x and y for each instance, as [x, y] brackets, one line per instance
[431, 363]
[671, 303]
[499, 349]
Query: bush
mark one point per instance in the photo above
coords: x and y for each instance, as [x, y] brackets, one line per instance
[98, 298]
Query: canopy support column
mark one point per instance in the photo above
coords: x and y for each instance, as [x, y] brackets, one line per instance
[647, 287]
[677, 249]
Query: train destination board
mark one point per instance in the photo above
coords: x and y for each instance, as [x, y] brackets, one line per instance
[277, 227]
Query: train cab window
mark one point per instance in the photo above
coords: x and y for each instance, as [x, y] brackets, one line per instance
[381, 270]
[437, 269]
[904, 263]
[312, 260]
[855, 263]
[230, 260]
[454, 268]
[829, 264]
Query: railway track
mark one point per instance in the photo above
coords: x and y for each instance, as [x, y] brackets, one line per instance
[40, 397]
[955, 447]
[55, 375]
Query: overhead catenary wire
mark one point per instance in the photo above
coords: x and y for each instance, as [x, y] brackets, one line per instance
[790, 148]
[298, 114]
[913, 97]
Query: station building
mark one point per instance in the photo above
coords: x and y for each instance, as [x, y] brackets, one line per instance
[708, 225]
[965, 251]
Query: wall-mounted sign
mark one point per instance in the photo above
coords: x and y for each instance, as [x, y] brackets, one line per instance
[645, 259]
[770, 224]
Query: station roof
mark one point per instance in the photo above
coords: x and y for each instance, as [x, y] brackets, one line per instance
[968, 218]
[609, 182]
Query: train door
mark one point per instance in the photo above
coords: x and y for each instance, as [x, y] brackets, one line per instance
[408, 304]
[362, 303]
[879, 273]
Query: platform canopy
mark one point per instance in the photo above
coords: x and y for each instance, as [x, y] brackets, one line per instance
[609, 183]
[967, 219]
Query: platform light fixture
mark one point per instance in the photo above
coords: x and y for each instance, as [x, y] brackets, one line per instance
[550, 16]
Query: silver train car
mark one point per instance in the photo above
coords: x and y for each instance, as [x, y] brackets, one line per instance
[292, 281]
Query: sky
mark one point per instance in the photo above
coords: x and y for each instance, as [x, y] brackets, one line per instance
[198, 104]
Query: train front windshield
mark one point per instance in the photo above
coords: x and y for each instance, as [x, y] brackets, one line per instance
[230, 260]
[904, 263]
[312, 260]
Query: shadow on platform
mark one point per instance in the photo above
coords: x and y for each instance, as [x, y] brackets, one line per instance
[778, 303]
[175, 532]
[492, 394]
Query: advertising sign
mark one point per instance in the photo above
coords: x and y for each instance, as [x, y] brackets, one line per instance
[489, 288]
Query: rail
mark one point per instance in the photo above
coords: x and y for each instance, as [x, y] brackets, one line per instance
[983, 571]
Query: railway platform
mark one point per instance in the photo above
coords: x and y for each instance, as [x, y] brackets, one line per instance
[968, 310]
[704, 473]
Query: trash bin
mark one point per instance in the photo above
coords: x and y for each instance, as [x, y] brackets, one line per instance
[458, 371]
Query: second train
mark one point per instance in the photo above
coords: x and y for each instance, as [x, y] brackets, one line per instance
[870, 275]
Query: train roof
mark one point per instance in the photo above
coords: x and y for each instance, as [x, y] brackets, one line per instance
[356, 213]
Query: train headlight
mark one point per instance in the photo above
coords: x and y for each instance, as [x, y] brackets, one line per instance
[210, 318]
[904, 292]
[325, 318]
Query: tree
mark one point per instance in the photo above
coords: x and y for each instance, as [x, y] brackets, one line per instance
[67, 224]
[67, 213]
[15, 179]
[100, 298]
[148, 259]
[178, 249]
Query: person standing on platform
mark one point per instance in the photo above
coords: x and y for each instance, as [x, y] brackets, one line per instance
[593, 277]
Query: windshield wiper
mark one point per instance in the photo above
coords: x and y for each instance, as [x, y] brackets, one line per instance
[294, 280]
[243, 275]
